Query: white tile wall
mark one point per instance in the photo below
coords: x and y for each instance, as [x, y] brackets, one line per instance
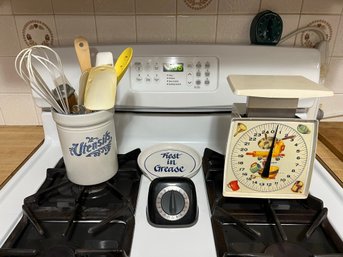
[234, 29]
[116, 29]
[155, 7]
[196, 29]
[156, 21]
[73, 6]
[161, 29]
[282, 6]
[5, 7]
[114, 7]
[9, 45]
[70, 26]
[238, 6]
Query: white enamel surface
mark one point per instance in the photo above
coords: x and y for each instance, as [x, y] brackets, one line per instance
[197, 130]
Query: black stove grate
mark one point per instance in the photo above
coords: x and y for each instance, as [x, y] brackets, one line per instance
[65, 219]
[265, 227]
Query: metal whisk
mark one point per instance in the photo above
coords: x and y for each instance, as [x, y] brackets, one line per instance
[41, 68]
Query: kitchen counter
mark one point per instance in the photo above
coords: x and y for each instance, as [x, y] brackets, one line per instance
[330, 148]
[17, 144]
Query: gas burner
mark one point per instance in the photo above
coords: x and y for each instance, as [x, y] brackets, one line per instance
[96, 191]
[266, 227]
[65, 219]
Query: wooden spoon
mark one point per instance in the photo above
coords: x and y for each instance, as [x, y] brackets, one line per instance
[83, 53]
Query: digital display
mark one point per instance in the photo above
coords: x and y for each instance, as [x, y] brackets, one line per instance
[172, 67]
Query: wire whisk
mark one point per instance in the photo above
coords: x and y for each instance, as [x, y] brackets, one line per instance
[41, 68]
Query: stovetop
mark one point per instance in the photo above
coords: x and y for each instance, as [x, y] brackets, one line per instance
[270, 227]
[65, 219]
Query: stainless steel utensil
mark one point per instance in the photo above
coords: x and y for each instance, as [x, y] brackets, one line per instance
[37, 62]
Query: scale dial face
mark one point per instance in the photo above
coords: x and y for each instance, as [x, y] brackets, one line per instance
[269, 158]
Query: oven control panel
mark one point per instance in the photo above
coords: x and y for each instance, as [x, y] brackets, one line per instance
[174, 74]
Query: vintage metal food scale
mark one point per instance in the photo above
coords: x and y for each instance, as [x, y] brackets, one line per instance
[270, 151]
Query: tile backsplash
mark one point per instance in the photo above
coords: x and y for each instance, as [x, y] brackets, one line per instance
[57, 22]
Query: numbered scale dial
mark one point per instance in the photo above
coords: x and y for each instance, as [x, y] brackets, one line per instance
[269, 158]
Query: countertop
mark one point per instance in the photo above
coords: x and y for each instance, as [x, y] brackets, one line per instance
[18, 143]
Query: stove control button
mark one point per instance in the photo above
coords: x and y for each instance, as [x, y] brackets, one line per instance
[156, 78]
[207, 73]
[189, 78]
[198, 82]
[148, 79]
[198, 74]
[156, 66]
[207, 82]
[139, 77]
[207, 65]
[138, 66]
[198, 65]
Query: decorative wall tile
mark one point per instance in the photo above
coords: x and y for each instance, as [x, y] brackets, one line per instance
[5, 7]
[35, 30]
[197, 7]
[282, 6]
[156, 29]
[9, 44]
[239, 6]
[18, 109]
[196, 29]
[116, 29]
[73, 6]
[69, 27]
[10, 82]
[234, 29]
[156, 6]
[32, 7]
[329, 23]
[114, 7]
[334, 78]
[322, 6]
[290, 24]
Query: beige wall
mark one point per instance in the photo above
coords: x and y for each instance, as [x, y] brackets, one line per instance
[166, 21]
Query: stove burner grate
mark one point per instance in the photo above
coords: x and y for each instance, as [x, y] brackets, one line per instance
[64, 219]
[250, 227]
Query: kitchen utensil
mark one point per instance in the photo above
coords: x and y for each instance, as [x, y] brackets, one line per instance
[83, 53]
[36, 62]
[101, 86]
[104, 58]
[123, 62]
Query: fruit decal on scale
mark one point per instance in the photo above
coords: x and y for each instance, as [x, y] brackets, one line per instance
[269, 157]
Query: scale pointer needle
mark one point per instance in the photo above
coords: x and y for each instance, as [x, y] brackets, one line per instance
[266, 168]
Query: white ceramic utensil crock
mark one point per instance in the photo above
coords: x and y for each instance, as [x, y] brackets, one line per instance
[88, 145]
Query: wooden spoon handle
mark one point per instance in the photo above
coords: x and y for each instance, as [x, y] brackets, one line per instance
[82, 52]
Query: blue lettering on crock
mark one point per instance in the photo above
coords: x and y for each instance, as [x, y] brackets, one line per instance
[92, 146]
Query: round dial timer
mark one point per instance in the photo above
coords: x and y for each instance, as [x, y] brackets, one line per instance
[269, 158]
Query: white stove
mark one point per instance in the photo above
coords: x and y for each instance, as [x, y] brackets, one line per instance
[189, 103]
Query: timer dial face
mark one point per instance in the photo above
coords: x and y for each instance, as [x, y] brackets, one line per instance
[266, 28]
[172, 203]
[290, 161]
